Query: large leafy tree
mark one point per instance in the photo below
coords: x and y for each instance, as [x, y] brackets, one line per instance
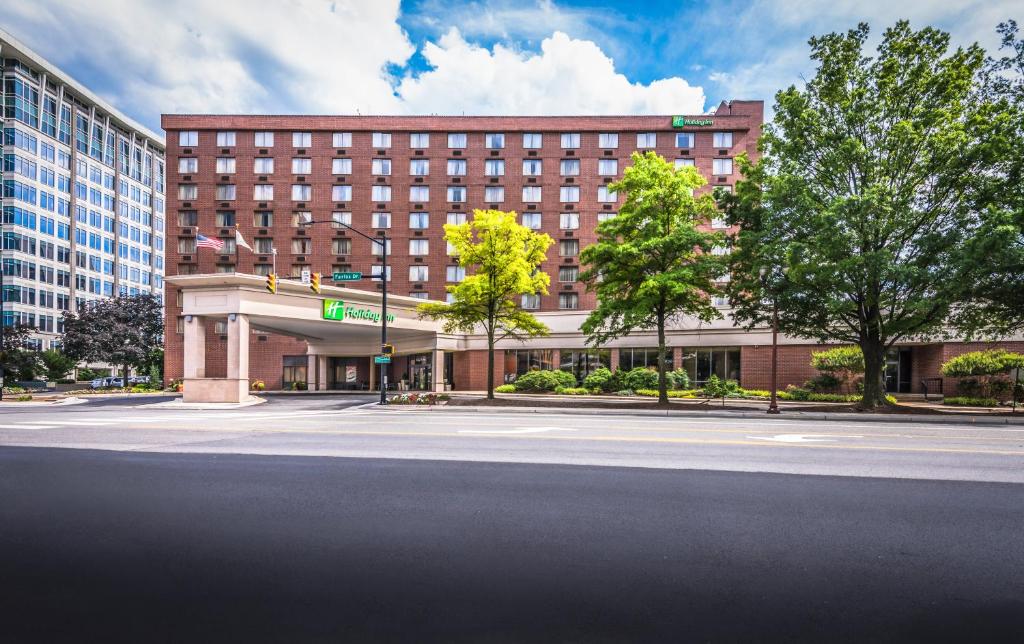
[18, 360]
[652, 261]
[502, 259]
[863, 194]
[124, 330]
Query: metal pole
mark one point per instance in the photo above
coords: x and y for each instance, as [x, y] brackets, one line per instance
[384, 318]
[773, 406]
[1016, 384]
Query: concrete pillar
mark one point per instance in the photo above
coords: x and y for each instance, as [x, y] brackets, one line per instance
[311, 372]
[195, 347]
[373, 374]
[321, 371]
[437, 371]
[238, 348]
[614, 362]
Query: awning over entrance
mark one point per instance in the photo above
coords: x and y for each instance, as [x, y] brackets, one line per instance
[338, 321]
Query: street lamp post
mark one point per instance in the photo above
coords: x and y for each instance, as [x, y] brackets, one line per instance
[383, 241]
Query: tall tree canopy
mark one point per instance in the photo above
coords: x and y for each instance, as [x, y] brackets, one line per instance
[863, 194]
[651, 262]
[123, 330]
[502, 260]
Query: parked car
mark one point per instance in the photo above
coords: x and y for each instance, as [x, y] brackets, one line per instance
[138, 380]
[97, 383]
[112, 381]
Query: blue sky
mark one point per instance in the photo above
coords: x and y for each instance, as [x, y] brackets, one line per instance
[448, 57]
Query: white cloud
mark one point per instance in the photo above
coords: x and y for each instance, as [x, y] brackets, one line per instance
[567, 76]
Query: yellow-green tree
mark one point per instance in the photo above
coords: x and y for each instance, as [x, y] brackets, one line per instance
[502, 260]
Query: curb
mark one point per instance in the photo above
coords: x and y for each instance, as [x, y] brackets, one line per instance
[812, 416]
[178, 404]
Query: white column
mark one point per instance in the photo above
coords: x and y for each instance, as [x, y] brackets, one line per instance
[311, 372]
[321, 372]
[437, 371]
[238, 348]
[373, 374]
[195, 347]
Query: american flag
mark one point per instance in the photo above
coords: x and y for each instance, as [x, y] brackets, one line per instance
[203, 241]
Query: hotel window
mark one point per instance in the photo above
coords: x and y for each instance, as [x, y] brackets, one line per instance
[569, 220]
[341, 246]
[646, 140]
[718, 191]
[531, 302]
[381, 220]
[449, 298]
[450, 249]
[380, 167]
[419, 193]
[722, 139]
[341, 140]
[605, 216]
[380, 193]
[263, 165]
[456, 218]
[225, 192]
[341, 219]
[302, 139]
[225, 218]
[569, 167]
[341, 193]
[682, 163]
[568, 301]
[375, 272]
[494, 141]
[532, 167]
[263, 139]
[721, 166]
[375, 248]
[605, 195]
[301, 192]
[418, 246]
[419, 220]
[302, 246]
[225, 139]
[456, 194]
[456, 167]
[533, 140]
[419, 140]
[570, 140]
[263, 219]
[341, 166]
[188, 138]
[293, 370]
[531, 220]
[569, 248]
[607, 167]
[457, 140]
[569, 194]
[608, 140]
[225, 165]
[419, 167]
[420, 295]
[494, 168]
[262, 269]
[302, 166]
[188, 218]
[188, 192]
[418, 273]
[188, 165]
[720, 250]
[381, 140]
[568, 274]
[684, 139]
[531, 194]
[341, 268]
[264, 245]
[186, 245]
[455, 273]
[494, 194]
[719, 222]
[301, 218]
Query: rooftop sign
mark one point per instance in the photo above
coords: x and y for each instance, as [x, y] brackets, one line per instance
[683, 121]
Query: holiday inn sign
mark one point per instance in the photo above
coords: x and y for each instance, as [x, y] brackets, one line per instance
[682, 121]
[336, 310]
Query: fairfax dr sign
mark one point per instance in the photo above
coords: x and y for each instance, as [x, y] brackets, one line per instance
[336, 310]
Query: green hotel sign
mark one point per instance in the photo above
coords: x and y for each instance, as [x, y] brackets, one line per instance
[336, 310]
[683, 121]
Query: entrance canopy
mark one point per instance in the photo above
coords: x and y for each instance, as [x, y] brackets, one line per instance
[338, 321]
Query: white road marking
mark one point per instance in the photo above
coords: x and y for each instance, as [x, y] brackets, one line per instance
[521, 430]
[73, 422]
[803, 438]
[23, 426]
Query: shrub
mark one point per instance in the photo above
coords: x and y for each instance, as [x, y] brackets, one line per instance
[625, 392]
[601, 378]
[24, 397]
[755, 393]
[675, 393]
[716, 388]
[824, 383]
[793, 392]
[640, 378]
[505, 389]
[678, 379]
[574, 391]
[965, 401]
[982, 369]
[257, 385]
[542, 380]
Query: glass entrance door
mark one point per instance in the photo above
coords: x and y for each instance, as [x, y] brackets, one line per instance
[419, 372]
[897, 370]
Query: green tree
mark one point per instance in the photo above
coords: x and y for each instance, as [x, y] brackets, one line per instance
[18, 360]
[123, 330]
[862, 194]
[56, 364]
[651, 262]
[502, 259]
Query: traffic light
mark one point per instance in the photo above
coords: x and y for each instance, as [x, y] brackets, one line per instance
[314, 282]
[387, 350]
[271, 283]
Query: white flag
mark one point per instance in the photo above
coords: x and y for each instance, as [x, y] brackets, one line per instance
[240, 241]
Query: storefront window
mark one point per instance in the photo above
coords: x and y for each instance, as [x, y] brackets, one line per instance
[293, 370]
[523, 360]
[581, 363]
[700, 363]
[633, 358]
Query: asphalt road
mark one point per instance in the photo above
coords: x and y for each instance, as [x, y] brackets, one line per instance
[105, 546]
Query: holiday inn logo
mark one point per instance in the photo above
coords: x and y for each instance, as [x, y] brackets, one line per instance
[682, 121]
[336, 310]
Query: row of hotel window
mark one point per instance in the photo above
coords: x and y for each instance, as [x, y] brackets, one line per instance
[23, 269]
[421, 167]
[27, 219]
[459, 140]
[382, 220]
